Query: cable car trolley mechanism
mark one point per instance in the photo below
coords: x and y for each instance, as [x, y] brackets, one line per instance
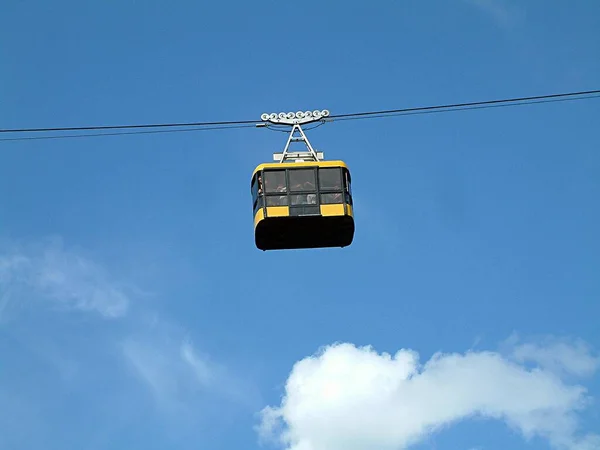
[301, 201]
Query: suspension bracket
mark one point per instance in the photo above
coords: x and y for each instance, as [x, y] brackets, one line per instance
[296, 120]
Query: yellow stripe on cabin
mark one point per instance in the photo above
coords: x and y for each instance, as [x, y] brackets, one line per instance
[260, 215]
[332, 210]
[278, 211]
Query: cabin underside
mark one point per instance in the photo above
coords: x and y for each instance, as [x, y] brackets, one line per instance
[304, 232]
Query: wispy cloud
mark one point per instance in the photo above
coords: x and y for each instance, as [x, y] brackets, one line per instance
[353, 398]
[165, 360]
[503, 14]
[50, 272]
[560, 356]
[113, 366]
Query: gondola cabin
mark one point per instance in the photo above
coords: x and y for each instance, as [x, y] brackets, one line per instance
[302, 205]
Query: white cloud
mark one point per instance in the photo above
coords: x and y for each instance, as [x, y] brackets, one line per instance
[353, 398]
[70, 281]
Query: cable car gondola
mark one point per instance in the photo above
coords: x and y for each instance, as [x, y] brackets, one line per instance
[301, 201]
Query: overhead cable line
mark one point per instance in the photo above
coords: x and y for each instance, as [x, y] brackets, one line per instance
[519, 100]
[442, 109]
[121, 133]
[120, 127]
[214, 125]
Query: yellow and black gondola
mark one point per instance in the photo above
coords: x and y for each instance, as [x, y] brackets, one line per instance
[302, 205]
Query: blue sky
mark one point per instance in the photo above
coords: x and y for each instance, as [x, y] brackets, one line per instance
[135, 311]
